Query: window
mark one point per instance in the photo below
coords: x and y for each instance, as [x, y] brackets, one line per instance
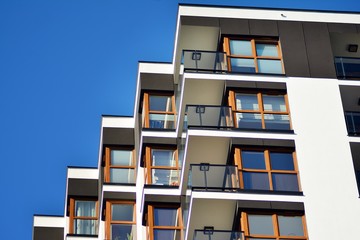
[83, 217]
[260, 110]
[119, 165]
[159, 111]
[274, 226]
[270, 169]
[120, 220]
[249, 55]
[162, 166]
[165, 222]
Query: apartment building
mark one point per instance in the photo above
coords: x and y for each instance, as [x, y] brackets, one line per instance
[251, 132]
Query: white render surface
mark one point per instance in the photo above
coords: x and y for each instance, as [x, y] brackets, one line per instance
[118, 122]
[83, 173]
[49, 221]
[332, 205]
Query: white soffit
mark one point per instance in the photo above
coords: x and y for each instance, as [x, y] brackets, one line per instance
[268, 14]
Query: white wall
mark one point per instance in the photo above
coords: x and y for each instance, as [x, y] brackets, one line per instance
[332, 204]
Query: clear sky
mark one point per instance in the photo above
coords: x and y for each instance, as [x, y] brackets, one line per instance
[64, 63]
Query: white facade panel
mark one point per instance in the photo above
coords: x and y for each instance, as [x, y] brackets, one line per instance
[328, 181]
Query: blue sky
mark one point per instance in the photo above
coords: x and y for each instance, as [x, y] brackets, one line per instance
[64, 63]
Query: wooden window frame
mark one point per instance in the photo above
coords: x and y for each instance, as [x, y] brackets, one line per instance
[151, 220]
[268, 170]
[108, 166]
[72, 213]
[149, 163]
[147, 111]
[274, 215]
[253, 42]
[108, 216]
[261, 111]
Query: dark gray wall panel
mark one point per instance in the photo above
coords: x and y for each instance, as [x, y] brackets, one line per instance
[318, 48]
[358, 28]
[263, 28]
[159, 140]
[342, 28]
[234, 26]
[83, 187]
[270, 205]
[118, 136]
[48, 233]
[159, 82]
[262, 85]
[199, 21]
[263, 142]
[293, 49]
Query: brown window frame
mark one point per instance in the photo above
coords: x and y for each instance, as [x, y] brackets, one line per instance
[246, 228]
[150, 220]
[254, 56]
[108, 216]
[261, 111]
[149, 166]
[108, 166]
[72, 216]
[268, 170]
[147, 112]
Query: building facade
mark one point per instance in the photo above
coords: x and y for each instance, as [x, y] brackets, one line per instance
[251, 132]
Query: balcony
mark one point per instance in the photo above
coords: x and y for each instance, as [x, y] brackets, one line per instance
[347, 68]
[218, 117]
[213, 177]
[220, 62]
[204, 61]
[353, 123]
[210, 234]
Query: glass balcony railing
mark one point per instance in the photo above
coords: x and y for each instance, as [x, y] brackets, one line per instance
[213, 177]
[353, 123]
[204, 61]
[217, 235]
[347, 68]
[209, 116]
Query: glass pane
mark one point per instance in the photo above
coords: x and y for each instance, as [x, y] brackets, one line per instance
[165, 217]
[275, 103]
[161, 234]
[85, 226]
[249, 120]
[166, 121]
[121, 157]
[160, 103]
[165, 177]
[242, 65]
[285, 182]
[268, 50]
[277, 121]
[269, 66]
[261, 224]
[163, 157]
[281, 161]
[254, 160]
[246, 101]
[291, 226]
[122, 175]
[256, 181]
[240, 47]
[122, 212]
[122, 232]
[85, 208]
